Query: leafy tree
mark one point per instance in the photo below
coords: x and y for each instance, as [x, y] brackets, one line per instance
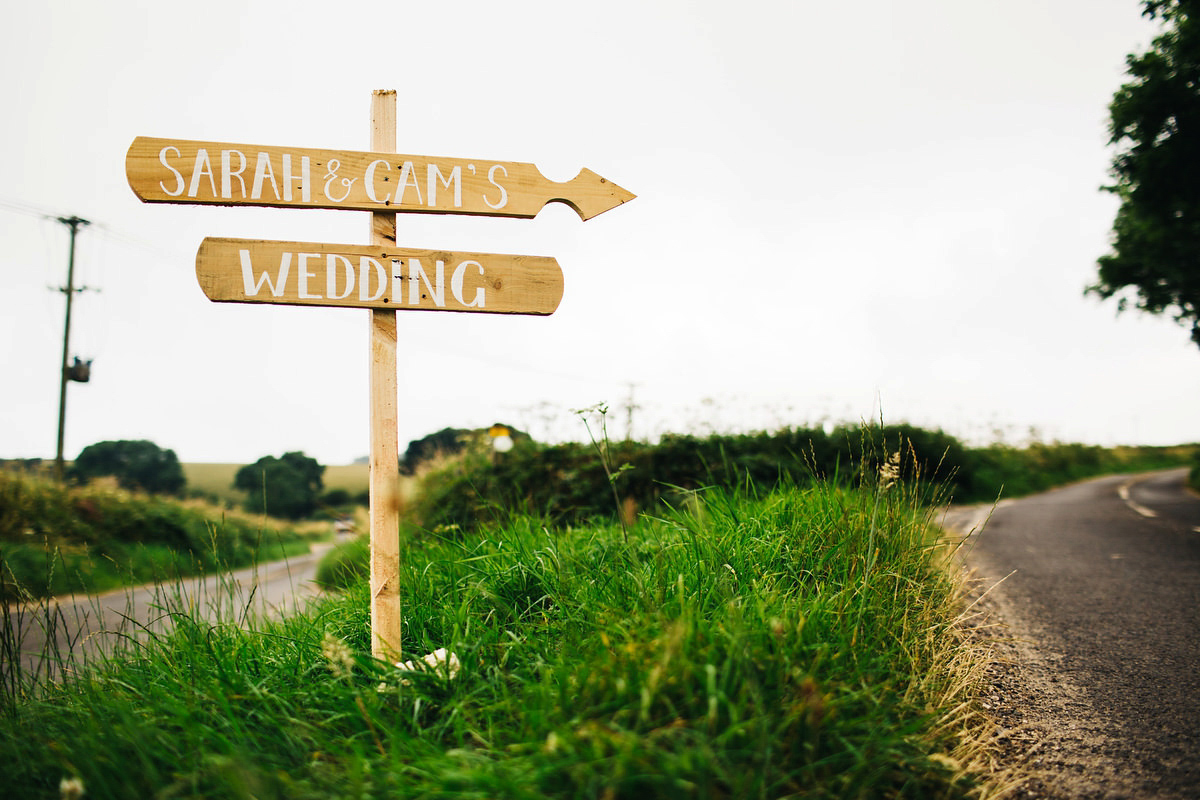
[137, 464]
[1155, 124]
[287, 487]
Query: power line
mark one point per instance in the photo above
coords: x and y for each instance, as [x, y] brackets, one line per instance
[104, 229]
[26, 209]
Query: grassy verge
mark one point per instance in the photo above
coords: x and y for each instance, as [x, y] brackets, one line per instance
[798, 643]
[1005, 471]
[57, 540]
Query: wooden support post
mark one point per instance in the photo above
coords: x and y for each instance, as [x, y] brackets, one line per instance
[385, 455]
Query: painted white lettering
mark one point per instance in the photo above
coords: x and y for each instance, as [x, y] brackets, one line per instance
[408, 174]
[456, 285]
[289, 178]
[201, 168]
[367, 267]
[398, 279]
[503, 192]
[434, 174]
[302, 275]
[369, 181]
[228, 174]
[332, 175]
[162, 159]
[437, 288]
[262, 171]
[254, 286]
[332, 261]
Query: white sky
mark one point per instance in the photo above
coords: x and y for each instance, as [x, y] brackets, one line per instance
[840, 206]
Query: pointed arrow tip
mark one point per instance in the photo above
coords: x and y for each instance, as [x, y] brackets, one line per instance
[597, 194]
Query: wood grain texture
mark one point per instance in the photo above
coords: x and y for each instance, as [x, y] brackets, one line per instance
[376, 276]
[224, 173]
[386, 624]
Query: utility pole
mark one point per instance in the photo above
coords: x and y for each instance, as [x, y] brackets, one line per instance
[74, 223]
[630, 407]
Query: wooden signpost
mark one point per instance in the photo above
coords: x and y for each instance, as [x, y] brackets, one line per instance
[384, 487]
[220, 173]
[378, 276]
[363, 276]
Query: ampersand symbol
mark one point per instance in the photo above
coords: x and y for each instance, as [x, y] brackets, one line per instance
[331, 175]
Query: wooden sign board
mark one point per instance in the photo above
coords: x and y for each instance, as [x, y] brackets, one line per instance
[182, 171]
[378, 276]
[373, 276]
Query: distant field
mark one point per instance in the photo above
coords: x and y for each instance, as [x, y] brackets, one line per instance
[217, 479]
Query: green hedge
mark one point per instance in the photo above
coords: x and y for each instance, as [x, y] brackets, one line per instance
[567, 483]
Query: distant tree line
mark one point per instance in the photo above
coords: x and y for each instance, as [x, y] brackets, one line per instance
[567, 482]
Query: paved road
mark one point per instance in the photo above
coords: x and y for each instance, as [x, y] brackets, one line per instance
[53, 631]
[1103, 603]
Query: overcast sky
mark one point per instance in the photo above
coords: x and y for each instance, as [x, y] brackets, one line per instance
[844, 211]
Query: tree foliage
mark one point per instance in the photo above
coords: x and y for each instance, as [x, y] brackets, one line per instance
[1155, 125]
[137, 464]
[447, 442]
[288, 487]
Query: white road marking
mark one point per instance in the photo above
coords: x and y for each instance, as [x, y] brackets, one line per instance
[1123, 491]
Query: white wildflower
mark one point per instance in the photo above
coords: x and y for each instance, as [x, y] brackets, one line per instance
[441, 661]
[70, 788]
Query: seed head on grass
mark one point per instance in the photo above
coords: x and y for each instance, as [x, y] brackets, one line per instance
[338, 655]
[889, 471]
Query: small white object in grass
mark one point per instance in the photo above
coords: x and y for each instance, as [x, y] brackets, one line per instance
[70, 788]
[441, 661]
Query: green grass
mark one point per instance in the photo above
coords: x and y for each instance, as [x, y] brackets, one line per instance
[345, 564]
[58, 539]
[801, 643]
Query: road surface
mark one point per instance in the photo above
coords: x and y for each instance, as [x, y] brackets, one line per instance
[58, 632]
[1099, 587]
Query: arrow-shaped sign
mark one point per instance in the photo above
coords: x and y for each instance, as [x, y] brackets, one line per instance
[367, 276]
[181, 171]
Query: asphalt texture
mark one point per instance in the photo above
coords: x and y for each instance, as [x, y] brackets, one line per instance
[65, 633]
[1098, 589]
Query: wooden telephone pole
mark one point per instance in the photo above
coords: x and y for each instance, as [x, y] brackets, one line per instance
[74, 223]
